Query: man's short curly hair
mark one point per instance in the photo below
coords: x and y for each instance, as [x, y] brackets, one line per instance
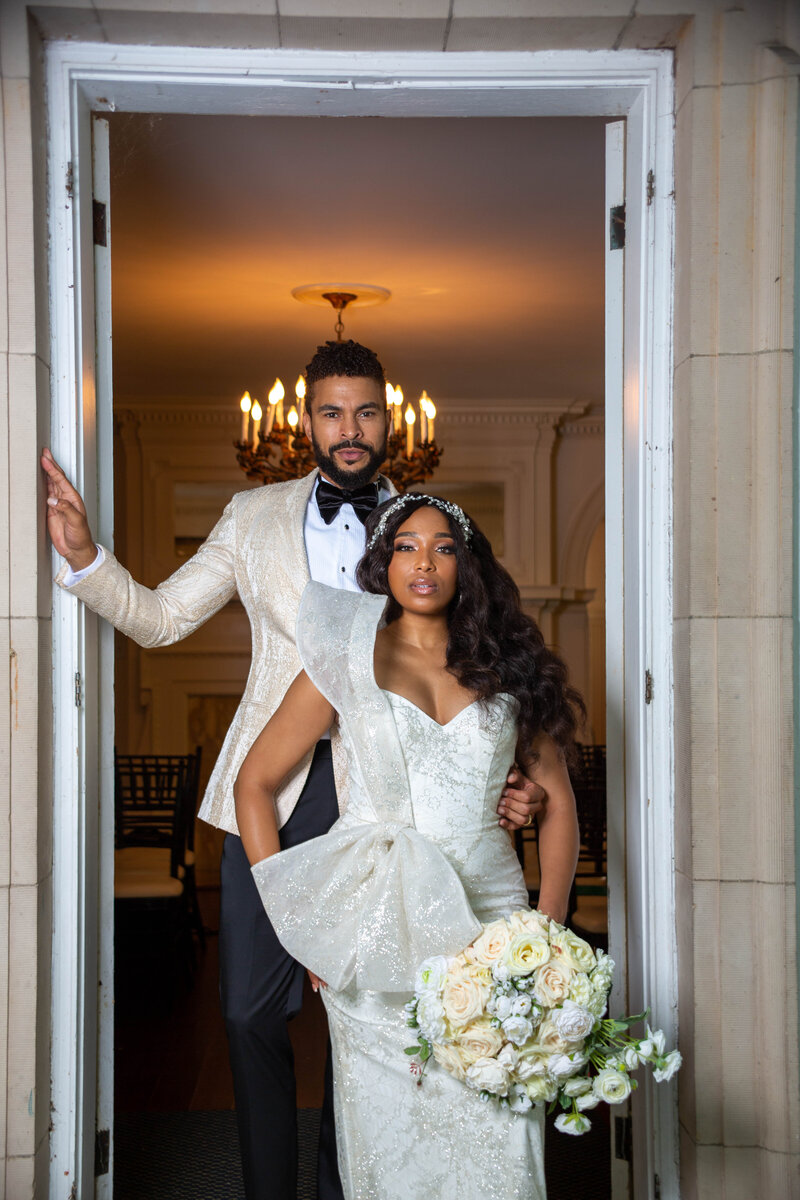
[343, 358]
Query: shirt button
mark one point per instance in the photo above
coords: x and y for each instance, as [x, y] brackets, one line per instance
[347, 526]
[343, 570]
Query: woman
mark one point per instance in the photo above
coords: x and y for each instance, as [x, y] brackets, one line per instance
[439, 682]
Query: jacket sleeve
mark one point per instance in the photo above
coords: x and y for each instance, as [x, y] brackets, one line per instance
[179, 605]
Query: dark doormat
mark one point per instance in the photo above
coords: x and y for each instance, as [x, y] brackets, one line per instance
[195, 1156]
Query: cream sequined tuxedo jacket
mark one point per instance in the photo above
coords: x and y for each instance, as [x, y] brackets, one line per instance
[257, 550]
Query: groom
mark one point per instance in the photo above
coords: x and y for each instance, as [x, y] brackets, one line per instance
[267, 544]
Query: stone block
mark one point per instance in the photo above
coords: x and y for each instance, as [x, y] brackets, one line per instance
[237, 30]
[6, 715]
[14, 51]
[684, 920]
[4, 1039]
[4, 508]
[704, 733]
[19, 216]
[24, 654]
[400, 10]
[652, 31]
[735, 483]
[541, 8]
[533, 33]
[688, 1165]
[362, 33]
[44, 552]
[22, 943]
[683, 751]
[697, 225]
[700, 396]
[708, 1048]
[24, 484]
[20, 1177]
[737, 116]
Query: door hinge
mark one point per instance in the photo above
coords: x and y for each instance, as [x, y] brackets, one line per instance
[99, 223]
[622, 1138]
[648, 688]
[616, 227]
[102, 1143]
[656, 1188]
[78, 690]
[651, 186]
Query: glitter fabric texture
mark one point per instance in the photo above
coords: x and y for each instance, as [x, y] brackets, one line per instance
[256, 549]
[410, 869]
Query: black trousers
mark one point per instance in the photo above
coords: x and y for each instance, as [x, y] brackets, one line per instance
[261, 988]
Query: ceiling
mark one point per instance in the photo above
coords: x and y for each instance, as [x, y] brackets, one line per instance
[488, 232]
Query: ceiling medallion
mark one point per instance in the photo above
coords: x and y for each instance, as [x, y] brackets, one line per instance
[272, 446]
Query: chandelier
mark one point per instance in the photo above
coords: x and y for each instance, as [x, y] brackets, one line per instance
[273, 447]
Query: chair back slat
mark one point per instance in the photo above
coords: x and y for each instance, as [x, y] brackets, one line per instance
[154, 797]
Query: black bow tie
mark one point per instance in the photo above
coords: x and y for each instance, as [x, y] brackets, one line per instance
[331, 498]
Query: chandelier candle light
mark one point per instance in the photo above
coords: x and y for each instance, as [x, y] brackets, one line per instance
[273, 448]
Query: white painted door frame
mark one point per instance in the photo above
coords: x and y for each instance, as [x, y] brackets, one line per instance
[90, 77]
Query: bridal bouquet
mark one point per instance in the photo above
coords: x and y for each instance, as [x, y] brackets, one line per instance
[520, 1017]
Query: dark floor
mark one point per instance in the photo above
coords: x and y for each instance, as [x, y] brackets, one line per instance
[173, 1088]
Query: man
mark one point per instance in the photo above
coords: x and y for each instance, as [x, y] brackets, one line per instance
[267, 544]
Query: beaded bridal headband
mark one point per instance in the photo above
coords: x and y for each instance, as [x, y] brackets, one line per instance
[445, 506]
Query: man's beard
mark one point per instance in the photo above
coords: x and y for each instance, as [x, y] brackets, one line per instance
[349, 480]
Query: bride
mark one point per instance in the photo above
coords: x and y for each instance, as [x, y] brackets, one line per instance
[439, 682]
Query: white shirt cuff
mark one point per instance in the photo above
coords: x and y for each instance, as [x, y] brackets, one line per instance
[72, 577]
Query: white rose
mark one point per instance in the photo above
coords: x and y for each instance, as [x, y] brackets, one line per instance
[500, 972]
[489, 946]
[577, 1087]
[430, 1016]
[503, 1007]
[630, 1057]
[552, 984]
[452, 1059]
[517, 1029]
[671, 1065]
[525, 952]
[541, 1087]
[431, 975]
[463, 999]
[580, 988]
[572, 1123]
[527, 920]
[520, 1006]
[563, 1065]
[509, 1057]
[480, 1040]
[611, 1086]
[658, 1040]
[587, 1101]
[573, 1021]
[488, 1075]
[518, 1099]
[597, 1003]
[532, 1061]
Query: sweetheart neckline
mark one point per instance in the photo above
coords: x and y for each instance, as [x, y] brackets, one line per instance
[427, 715]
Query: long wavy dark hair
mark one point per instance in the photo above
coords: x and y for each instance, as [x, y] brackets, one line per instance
[493, 646]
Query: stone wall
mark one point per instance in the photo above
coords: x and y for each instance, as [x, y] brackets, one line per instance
[735, 169]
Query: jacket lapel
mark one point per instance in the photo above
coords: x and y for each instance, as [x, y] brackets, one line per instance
[295, 519]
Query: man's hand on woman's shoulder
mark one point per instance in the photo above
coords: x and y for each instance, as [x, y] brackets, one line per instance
[521, 799]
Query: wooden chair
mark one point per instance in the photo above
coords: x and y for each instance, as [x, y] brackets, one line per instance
[155, 798]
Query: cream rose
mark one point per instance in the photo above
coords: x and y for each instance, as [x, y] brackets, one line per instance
[488, 1075]
[549, 1039]
[577, 1087]
[532, 1062]
[552, 984]
[479, 1040]
[489, 947]
[525, 952]
[463, 999]
[452, 1059]
[527, 920]
[611, 1086]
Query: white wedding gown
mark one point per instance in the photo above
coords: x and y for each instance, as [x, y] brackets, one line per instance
[411, 869]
